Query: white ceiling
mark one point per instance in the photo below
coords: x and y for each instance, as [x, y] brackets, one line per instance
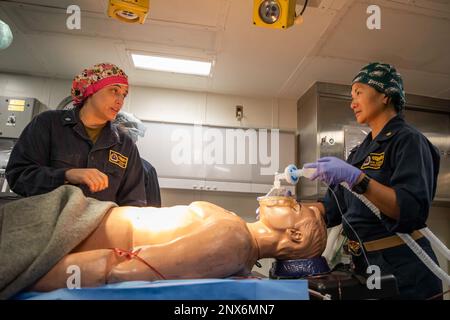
[331, 45]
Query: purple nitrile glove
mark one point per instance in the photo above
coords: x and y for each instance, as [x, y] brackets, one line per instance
[333, 171]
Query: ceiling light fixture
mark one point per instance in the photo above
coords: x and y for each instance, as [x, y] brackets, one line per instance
[168, 64]
[130, 11]
[277, 14]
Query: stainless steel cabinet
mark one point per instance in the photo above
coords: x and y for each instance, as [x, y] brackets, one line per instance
[435, 126]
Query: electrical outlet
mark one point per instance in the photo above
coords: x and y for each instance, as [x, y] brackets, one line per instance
[239, 113]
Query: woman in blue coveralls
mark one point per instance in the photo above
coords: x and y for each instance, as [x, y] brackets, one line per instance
[396, 168]
[81, 146]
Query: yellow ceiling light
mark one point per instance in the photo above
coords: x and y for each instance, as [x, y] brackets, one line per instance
[276, 14]
[130, 11]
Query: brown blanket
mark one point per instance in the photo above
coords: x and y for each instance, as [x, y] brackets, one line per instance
[36, 232]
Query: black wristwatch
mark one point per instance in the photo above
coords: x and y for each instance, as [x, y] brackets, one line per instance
[362, 186]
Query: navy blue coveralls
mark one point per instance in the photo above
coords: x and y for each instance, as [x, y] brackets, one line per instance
[55, 141]
[152, 190]
[402, 158]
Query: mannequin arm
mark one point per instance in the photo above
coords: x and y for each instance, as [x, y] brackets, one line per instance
[93, 265]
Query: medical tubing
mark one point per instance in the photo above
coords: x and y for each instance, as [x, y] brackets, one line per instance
[435, 240]
[349, 225]
[421, 254]
[364, 200]
[424, 257]
[134, 255]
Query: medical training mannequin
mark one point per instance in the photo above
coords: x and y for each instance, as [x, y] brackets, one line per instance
[201, 240]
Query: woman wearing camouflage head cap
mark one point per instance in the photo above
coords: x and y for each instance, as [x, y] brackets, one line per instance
[396, 168]
[81, 146]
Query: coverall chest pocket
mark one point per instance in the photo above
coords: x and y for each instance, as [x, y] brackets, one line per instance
[65, 160]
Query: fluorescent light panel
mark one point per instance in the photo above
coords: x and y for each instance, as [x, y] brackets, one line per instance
[158, 63]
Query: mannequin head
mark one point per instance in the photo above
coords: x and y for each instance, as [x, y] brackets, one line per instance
[300, 231]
